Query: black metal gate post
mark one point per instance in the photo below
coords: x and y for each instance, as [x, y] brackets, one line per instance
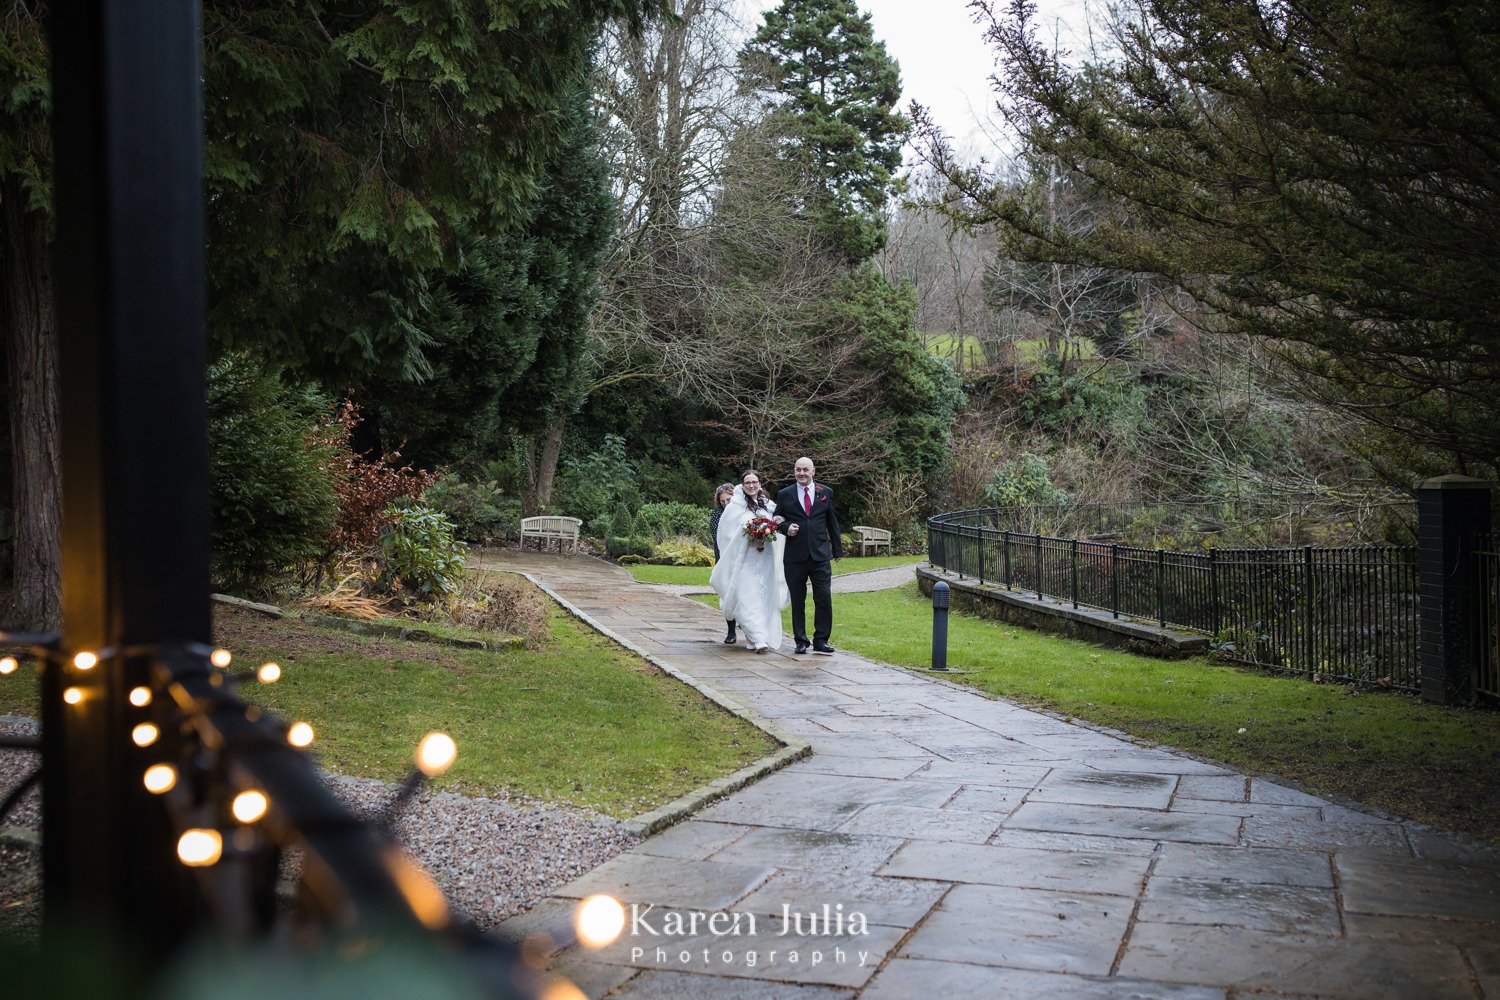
[1451, 512]
[127, 138]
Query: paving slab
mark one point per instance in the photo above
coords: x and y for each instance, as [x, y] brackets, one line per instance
[1076, 871]
[674, 882]
[811, 850]
[1118, 869]
[1086, 786]
[916, 823]
[692, 840]
[1252, 865]
[690, 986]
[1110, 821]
[1317, 964]
[906, 978]
[1454, 890]
[1256, 905]
[1023, 929]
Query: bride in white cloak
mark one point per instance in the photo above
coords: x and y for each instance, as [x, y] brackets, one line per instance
[750, 582]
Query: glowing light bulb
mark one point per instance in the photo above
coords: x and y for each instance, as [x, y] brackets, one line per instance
[561, 989]
[300, 735]
[85, 661]
[599, 920]
[269, 673]
[160, 778]
[8, 665]
[249, 806]
[220, 657]
[199, 848]
[145, 734]
[140, 697]
[73, 695]
[435, 754]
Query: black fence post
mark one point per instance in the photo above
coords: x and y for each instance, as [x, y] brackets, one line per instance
[1213, 591]
[1114, 580]
[1039, 574]
[1309, 610]
[1451, 512]
[128, 196]
[1075, 573]
[1161, 587]
[1005, 557]
[980, 531]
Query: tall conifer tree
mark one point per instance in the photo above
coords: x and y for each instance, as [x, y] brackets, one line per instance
[835, 90]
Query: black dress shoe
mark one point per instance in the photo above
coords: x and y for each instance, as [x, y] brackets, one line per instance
[801, 647]
[824, 648]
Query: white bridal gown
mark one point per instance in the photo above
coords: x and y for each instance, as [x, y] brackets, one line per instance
[751, 583]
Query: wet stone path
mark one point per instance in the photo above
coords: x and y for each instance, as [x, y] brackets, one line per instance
[941, 844]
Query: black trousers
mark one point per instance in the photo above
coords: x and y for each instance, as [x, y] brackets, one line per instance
[821, 575]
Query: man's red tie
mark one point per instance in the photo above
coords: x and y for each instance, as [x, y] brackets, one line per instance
[807, 501]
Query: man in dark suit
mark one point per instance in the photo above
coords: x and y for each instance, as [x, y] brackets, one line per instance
[804, 511]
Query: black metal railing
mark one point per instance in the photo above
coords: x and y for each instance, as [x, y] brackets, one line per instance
[1487, 672]
[1346, 613]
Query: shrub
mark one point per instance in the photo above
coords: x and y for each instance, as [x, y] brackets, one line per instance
[682, 552]
[623, 522]
[1023, 482]
[664, 521]
[367, 488]
[617, 547]
[272, 475]
[594, 484]
[420, 554]
[479, 511]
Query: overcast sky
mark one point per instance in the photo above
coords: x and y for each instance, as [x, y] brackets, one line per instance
[945, 64]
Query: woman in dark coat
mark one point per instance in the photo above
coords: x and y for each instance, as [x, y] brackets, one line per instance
[721, 497]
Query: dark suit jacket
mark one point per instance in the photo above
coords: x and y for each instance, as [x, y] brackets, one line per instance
[817, 538]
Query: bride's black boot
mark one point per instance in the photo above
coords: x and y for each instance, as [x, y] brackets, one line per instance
[729, 638]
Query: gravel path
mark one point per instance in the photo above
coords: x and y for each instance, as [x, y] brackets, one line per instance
[493, 857]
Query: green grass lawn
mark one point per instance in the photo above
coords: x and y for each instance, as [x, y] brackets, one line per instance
[1395, 752]
[947, 345]
[697, 576]
[578, 720]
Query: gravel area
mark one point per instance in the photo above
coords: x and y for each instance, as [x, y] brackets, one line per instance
[493, 857]
[20, 868]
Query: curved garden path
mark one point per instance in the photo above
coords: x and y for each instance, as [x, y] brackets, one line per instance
[994, 851]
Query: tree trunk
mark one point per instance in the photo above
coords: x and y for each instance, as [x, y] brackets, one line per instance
[31, 352]
[546, 472]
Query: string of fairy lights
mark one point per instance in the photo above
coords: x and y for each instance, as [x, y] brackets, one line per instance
[180, 716]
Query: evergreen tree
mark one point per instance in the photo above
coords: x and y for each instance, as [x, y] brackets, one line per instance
[510, 324]
[835, 91]
[353, 152]
[1324, 175]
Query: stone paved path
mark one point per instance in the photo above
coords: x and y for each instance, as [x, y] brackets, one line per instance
[998, 852]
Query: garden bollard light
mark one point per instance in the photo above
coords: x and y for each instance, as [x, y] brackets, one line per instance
[940, 601]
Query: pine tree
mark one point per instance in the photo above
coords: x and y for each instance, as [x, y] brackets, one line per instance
[835, 91]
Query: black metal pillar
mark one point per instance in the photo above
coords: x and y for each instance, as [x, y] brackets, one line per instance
[1451, 512]
[127, 139]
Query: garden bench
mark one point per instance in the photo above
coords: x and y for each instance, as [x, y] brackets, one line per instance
[547, 528]
[871, 539]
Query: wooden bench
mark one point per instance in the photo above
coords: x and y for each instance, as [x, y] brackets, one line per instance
[548, 528]
[872, 539]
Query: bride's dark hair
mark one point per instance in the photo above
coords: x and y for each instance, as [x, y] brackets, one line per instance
[761, 500]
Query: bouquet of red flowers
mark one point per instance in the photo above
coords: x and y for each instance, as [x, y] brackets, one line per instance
[761, 529]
